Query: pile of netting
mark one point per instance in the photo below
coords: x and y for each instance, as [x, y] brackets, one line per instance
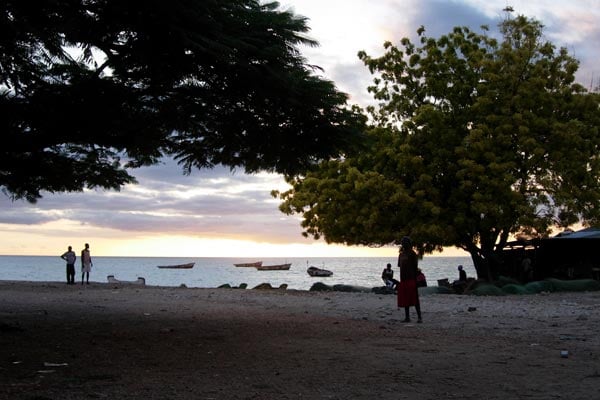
[507, 286]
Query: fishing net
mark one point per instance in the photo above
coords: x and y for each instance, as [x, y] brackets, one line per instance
[578, 285]
[539, 286]
[487, 289]
[513, 288]
[424, 291]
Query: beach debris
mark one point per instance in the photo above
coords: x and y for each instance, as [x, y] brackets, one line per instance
[140, 281]
[564, 354]
[49, 364]
[471, 309]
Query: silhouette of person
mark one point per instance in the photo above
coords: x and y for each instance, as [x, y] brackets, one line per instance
[86, 264]
[408, 294]
[388, 277]
[70, 257]
[421, 280]
[462, 274]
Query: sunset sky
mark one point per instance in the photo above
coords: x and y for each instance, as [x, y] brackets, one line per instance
[219, 213]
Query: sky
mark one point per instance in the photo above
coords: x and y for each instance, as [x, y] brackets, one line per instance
[217, 213]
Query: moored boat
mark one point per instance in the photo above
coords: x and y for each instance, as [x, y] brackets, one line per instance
[251, 264]
[275, 267]
[314, 271]
[180, 266]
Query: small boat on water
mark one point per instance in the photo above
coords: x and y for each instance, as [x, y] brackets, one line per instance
[276, 267]
[180, 266]
[314, 271]
[251, 264]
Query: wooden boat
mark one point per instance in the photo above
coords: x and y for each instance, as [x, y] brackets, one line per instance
[181, 266]
[314, 271]
[276, 267]
[252, 264]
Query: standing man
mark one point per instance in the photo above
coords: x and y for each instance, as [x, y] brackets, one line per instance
[86, 264]
[70, 257]
[408, 294]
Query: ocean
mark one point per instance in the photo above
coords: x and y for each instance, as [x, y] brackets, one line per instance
[213, 272]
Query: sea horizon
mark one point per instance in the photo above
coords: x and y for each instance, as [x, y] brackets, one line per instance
[211, 272]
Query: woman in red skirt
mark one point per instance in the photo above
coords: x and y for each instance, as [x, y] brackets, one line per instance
[408, 294]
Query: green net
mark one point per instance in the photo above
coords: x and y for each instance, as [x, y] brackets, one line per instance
[539, 286]
[578, 285]
[513, 288]
[487, 289]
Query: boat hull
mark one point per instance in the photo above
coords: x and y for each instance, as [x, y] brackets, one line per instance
[249, 265]
[178, 266]
[319, 272]
[278, 267]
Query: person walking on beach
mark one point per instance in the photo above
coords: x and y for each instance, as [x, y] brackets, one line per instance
[408, 294]
[86, 264]
[70, 257]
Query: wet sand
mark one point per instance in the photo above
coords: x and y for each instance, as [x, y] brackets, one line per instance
[122, 341]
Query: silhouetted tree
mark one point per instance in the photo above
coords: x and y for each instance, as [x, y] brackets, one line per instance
[91, 88]
[475, 139]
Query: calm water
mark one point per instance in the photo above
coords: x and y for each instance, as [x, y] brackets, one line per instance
[213, 272]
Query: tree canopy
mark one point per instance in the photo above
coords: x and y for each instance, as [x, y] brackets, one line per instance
[91, 88]
[475, 139]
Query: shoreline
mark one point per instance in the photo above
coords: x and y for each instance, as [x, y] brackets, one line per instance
[150, 342]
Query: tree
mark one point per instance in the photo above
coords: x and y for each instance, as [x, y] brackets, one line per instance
[92, 88]
[474, 140]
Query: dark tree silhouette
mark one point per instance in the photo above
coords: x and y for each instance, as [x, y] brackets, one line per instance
[92, 88]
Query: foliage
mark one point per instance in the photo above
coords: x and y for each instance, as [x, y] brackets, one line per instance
[90, 88]
[474, 139]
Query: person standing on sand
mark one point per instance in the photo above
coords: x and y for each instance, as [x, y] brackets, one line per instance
[408, 294]
[70, 257]
[86, 264]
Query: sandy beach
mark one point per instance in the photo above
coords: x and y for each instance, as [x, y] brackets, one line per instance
[119, 341]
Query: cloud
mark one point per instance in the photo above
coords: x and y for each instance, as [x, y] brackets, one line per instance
[211, 203]
[217, 203]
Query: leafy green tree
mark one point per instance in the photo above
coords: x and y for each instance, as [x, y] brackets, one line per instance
[475, 139]
[92, 88]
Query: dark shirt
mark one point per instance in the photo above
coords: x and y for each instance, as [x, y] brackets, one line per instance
[408, 263]
[462, 275]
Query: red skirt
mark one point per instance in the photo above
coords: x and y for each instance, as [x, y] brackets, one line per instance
[408, 294]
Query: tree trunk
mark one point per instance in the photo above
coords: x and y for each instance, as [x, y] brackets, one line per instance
[486, 263]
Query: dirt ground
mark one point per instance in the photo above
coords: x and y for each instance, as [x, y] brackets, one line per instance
[127, 342]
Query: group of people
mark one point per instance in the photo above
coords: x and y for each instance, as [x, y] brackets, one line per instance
[86, 264]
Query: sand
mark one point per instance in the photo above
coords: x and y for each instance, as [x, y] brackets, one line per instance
[106, 341]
